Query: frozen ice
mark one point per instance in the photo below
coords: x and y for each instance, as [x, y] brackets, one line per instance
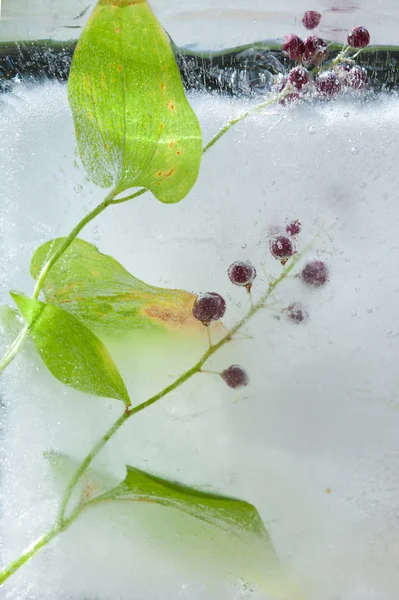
[312, 442]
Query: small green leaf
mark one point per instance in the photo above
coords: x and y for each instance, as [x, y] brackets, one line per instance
[89, 485]
[220, 511]
[134, 125]
[97, 290]
[71, 352]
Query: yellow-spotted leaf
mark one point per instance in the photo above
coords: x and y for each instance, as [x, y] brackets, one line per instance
[134, 125]
[101, 293]
[70, 351]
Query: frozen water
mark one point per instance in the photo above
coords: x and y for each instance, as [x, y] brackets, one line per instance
[312, 442]
[211, 23]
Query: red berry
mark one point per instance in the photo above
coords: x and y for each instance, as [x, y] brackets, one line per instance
[328, 84]
[356, 78]
[316, 50]
[293, 46]
[289, 98]
[209, 307]
[315, 273]
[242, 273]
[311, 19]
[297, 314]
[358, 37]
[294, 228]
[235, 376]
[299, 77]
[282, 247]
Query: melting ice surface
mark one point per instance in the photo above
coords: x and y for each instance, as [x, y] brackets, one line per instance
[312, 442]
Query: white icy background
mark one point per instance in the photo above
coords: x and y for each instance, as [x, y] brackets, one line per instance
[322, 408]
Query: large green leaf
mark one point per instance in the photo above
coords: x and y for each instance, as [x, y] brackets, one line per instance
[71, 352]
[133, 123]
[220, 511]
[108, 299]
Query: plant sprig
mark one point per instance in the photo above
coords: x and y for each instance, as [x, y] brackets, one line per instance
[164, 160]
[110, 200]
[63, 520]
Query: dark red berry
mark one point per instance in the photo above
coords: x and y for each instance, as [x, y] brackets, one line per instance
[358, 37]
[293, 46]
[299, 77]
[209, 307]
[315, 273]
[289, 98]
[311, 19]
[328, 84]
[282, 247]
[356, 78]
[294, 228]
[316, 50]
[296, 313]
[242, 273]
[235, 376]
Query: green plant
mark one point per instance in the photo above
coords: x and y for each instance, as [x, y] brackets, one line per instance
[134, 127]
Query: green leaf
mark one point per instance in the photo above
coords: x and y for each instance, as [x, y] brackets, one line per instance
[213, 534]
[222, 512]
[133, 123]
[96, 289]
[91, 483]
[71, 352]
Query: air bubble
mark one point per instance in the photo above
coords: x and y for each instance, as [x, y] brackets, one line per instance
[354, 151]
[346, 115]
[311, 130]
[173, 413]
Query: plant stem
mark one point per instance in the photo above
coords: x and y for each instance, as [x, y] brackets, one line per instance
[127, 198]
[68, 241]
[86, 462]
[233, 122]
[15, 347]
[45, 539]
[27, 555]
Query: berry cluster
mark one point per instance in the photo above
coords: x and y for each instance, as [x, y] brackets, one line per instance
[212, 306]
[313, 75]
